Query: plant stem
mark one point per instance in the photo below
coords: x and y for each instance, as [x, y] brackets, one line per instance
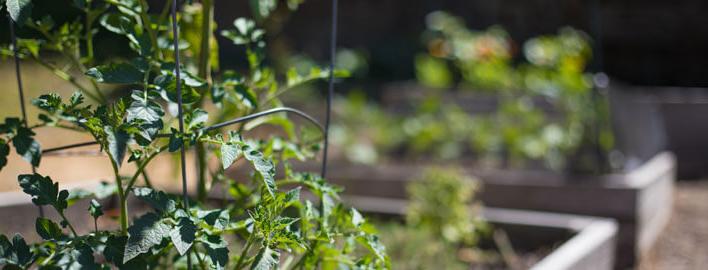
[148, 26]
[244, 252]
[141, 168]
[89, 33]
[67, 223]
[205, 46]
[202, 168]
[121, 197]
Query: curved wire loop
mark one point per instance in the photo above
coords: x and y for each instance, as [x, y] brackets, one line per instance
[234, 121]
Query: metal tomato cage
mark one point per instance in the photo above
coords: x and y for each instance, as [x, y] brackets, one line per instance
[175, 31]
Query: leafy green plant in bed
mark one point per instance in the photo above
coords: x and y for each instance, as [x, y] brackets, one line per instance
[266, 223]
[441, 229]
[542, 105]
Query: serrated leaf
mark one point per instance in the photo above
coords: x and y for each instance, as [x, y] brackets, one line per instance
[266, 259]
[293, 195]
[115, 246]
[219, 219]
[263, 166]
[143, 108]
[22, 251]
[167, 85]
[116, 73]
[373, 243]
[26, 146]
[117, 144]
[19, 10]
[145, 233]
[196, 119]
[218, 251]
[176, 141]
[43, 191]
[183, 235]
[95, 209]
[81, 257]
[47, 229]
[229, 154]
[157, 199]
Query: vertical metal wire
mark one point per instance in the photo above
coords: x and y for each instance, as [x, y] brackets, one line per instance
[330, 90]
[178, 84]
[15, 52]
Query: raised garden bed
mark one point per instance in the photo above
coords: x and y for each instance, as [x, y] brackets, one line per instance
[640, 200]
[586, 242]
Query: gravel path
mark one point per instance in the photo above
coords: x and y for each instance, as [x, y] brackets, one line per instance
[684, 244]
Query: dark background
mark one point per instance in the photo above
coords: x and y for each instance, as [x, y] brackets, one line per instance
[641, 42]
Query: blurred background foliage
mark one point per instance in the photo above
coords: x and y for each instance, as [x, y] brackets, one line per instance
[543, 105]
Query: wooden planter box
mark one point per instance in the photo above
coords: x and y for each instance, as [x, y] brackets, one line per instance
[640, 200]
[591, 246]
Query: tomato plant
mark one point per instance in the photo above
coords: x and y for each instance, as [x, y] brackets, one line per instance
[266, 225]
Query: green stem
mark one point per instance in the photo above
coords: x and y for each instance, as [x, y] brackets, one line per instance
[204, 48]
[202, 169]
[148, 26]
[67, 223]
[89, 34]
[141, 168]
[244, 252]
[147, 179]
[121, 197]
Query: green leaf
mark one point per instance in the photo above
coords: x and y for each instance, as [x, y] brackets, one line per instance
[48, 230]
[43, 191]
[118, 23]
[263, 165]
[19, 10]
[95, 209]
[357, 218]
[183, 235]
[116, 73]
[26, 146]
[115, 246]
[81, 257]
[266, 259]
[218, 251]
[196, 119]
[293, 195]
[374, 245]
[218, 219]
[22, 251]
[167, 85]
[143, 108]
[4, 152]
[176, 141]
[157, 199]
[146, 232]
[117, 144]
[229, 154]
[148, 113]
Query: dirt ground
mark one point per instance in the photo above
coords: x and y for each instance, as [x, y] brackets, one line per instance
[684, 244]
